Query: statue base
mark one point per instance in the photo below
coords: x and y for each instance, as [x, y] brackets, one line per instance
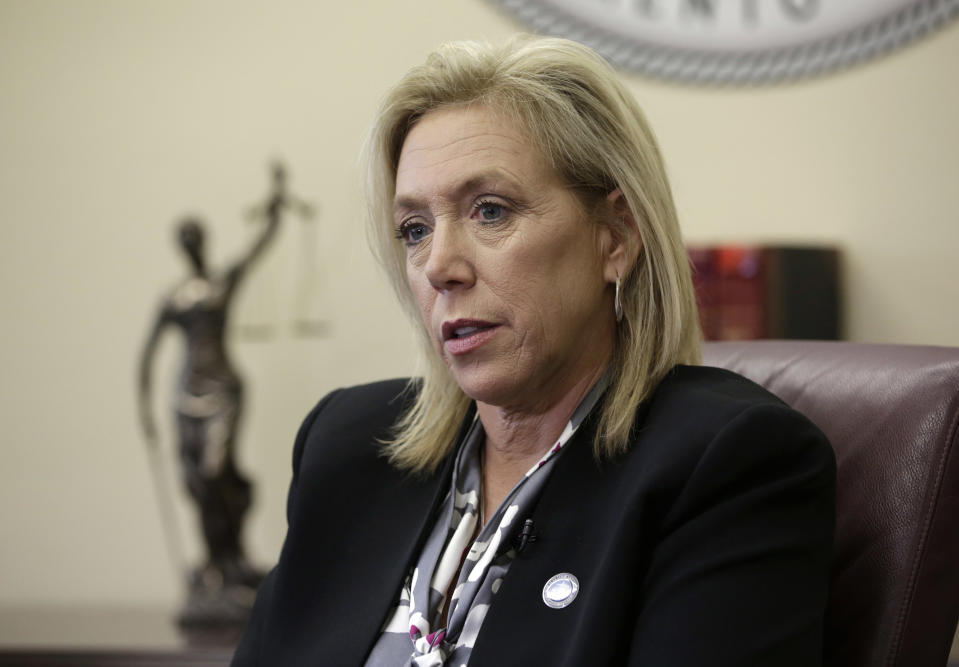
[217, 600]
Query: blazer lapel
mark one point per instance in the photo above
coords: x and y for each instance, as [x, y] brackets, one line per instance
[518, 614]
[570, 512]
[343, 578]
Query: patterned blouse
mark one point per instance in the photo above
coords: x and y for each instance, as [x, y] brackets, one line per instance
[416, 633]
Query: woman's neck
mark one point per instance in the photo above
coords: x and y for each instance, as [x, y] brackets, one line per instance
[516, 440]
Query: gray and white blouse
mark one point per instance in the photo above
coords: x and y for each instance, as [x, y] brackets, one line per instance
[416, 633]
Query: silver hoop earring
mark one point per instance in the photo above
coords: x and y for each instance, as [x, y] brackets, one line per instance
[617, 304]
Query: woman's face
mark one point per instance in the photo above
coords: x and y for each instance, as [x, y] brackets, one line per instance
[511, 277]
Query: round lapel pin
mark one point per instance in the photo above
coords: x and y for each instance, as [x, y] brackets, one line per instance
[560, 590]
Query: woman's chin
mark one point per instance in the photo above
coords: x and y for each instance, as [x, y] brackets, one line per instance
[487, 387]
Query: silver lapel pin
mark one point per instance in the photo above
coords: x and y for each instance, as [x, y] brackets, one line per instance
[560, 590]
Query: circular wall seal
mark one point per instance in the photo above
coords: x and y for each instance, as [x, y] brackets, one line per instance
[740, 41]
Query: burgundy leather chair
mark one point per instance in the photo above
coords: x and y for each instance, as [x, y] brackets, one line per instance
[892, 415]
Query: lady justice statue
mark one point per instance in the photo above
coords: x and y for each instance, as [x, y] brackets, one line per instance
[207, 406]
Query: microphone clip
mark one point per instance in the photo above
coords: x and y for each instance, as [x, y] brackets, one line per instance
[526, 536]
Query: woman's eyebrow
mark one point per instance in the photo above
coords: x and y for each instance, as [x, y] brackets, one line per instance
[405, 203]
[494, 179]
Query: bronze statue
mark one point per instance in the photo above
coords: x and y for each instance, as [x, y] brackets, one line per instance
[208, 405]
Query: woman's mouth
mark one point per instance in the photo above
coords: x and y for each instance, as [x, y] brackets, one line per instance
[464, 336]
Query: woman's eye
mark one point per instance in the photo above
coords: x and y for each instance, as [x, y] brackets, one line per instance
[490, 212]
[413, 232]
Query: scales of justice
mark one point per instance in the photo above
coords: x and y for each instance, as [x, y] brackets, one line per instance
[207, 406]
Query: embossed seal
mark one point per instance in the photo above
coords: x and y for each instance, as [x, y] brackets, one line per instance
[741, 41]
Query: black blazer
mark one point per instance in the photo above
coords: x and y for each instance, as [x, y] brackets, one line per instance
[708, 543]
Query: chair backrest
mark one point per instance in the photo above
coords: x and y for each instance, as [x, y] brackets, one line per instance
[892, 415]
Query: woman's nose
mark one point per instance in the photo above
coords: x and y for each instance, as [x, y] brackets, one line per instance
[449, 264]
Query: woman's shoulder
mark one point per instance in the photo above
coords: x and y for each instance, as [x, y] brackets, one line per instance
[364, 405]
[369, 398]
[713, 386]
[353, 421]
[710, 397]
[700, 413]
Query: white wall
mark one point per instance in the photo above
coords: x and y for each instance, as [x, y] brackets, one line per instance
[118, 117]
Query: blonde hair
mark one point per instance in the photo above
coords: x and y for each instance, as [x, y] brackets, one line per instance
[583, 120]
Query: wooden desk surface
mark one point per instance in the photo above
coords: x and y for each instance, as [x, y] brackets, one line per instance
[106, 636]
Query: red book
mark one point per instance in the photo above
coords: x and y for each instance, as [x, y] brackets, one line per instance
[742, 304]
[749, 292]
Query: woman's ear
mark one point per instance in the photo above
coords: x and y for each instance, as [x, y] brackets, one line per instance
[622, 243]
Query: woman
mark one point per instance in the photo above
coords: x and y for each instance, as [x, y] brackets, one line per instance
[562, 486]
